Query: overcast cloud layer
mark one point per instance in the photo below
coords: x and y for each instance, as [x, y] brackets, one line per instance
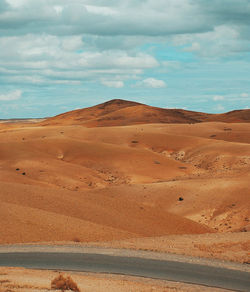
[57, 55]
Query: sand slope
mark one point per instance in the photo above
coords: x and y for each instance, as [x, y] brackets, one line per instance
[65, 181]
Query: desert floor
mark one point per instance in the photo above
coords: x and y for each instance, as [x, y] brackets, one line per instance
[24, 280]
[176, 188]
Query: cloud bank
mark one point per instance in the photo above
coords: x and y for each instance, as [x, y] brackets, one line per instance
[123, 45]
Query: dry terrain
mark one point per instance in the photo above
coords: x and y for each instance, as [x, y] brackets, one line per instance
[22, 280]
[123, 174]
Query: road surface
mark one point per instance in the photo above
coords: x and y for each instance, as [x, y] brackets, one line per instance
[159, 269]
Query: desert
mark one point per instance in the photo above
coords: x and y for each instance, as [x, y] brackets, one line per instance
[13, 279]
[170, 184]
[124, 145]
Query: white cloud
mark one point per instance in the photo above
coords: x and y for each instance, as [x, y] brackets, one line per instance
[50, 42]
[223, 40]
[151, 83]
[218, 97]
[72, 43]
[58, 9]
[193, 48]
[112, 83]
[85, 37]
[133, 17]
[204, 27]
[219, 108]
[46, 58]
[17, 3]
[14, 95]
[102, 10]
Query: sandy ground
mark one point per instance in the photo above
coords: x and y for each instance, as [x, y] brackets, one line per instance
[96, 184]
[233, 247]
[24, 280]
[181, 188]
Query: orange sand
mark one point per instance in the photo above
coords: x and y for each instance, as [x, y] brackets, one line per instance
[23, 280]
[93, 184]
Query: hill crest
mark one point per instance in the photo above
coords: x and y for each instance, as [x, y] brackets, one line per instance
[119, 112]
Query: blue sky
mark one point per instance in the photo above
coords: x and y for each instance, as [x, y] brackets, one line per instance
[59, 55]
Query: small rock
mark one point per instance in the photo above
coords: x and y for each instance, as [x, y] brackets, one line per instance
[181, 199]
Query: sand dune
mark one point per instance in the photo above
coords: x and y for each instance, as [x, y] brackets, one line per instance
[68, 179]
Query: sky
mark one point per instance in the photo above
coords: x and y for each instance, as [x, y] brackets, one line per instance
[60, 55]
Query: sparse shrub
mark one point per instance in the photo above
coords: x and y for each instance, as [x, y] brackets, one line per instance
[181, 199]
[24, 173]
[64, 283]
[76, 239]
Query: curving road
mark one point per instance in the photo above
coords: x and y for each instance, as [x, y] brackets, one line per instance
[159, 269]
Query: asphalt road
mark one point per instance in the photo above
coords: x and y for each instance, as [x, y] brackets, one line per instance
[159, 269]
